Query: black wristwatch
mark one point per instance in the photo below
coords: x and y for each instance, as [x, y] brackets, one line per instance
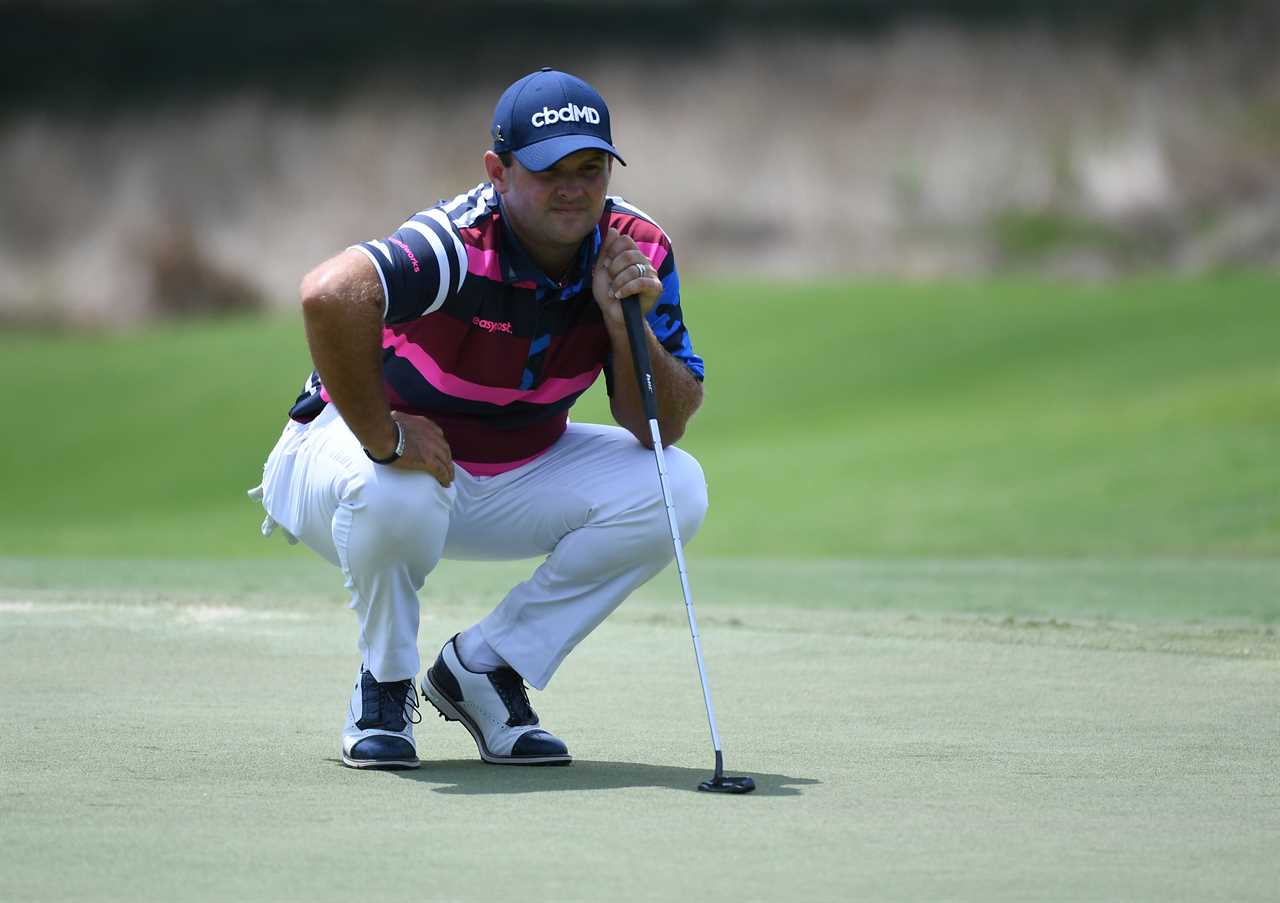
[395, 455]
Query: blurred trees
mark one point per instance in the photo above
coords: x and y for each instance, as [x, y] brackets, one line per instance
[93, 52]
[204, 155]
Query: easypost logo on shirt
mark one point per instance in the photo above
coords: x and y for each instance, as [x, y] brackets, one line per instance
[570, 113]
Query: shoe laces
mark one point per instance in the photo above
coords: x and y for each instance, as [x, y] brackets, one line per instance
[402, 699]
[394, 702]
[511, 690]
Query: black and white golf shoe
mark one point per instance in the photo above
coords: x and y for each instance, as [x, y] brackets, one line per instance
[495, 709]
[380, 720]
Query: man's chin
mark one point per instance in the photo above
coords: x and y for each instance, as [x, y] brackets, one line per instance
[571, 229]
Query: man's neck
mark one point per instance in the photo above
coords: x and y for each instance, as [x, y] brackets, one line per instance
[556, 266]
[555, 261]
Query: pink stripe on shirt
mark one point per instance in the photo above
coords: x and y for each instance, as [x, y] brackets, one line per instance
[654, 251]
[483, 263]
[550, 391]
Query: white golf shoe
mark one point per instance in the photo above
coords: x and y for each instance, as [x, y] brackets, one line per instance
[379, 728]
[495, 709]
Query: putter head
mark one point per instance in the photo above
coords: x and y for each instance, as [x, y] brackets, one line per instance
[722, 784]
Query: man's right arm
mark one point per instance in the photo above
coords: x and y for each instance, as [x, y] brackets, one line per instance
[342, 309]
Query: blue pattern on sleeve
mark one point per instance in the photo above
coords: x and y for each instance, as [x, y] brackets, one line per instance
[667, 322]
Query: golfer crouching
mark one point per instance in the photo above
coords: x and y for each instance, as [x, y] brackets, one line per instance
[436, 425]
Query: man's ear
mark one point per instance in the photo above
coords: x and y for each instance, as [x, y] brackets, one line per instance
[496, 172]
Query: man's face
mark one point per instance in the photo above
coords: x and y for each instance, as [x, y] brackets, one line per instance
[558, 206]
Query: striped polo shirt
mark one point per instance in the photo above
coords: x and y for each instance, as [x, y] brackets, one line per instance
[479, 340]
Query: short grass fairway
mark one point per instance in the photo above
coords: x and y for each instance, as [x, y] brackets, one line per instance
[841, 420]
[989, 594]
[918, 730]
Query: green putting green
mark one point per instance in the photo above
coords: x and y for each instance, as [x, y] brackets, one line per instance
[1044, 732]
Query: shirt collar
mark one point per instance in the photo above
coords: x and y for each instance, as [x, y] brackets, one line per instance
[518, 266]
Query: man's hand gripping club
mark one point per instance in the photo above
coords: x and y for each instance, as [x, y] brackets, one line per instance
[622, 271]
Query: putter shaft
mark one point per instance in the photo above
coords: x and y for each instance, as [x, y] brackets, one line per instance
[644, 379]
[684, 587]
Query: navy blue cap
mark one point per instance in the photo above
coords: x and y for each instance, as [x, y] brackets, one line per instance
[548, 115]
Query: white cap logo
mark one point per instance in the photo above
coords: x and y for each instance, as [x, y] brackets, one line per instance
[571, 113]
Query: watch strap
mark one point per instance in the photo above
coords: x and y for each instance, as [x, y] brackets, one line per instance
[395, 455]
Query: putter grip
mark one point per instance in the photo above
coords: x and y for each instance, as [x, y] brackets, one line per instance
[640, 355]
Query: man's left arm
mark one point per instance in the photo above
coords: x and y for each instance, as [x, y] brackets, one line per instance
[623, 271]
[677, 391]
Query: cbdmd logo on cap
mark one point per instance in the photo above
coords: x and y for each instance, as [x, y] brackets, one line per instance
[571, 113]
[548, 115]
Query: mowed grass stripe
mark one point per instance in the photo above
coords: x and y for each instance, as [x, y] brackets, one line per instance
[1225, 594]
[1004, 418]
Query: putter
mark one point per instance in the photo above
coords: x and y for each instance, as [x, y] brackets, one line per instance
[719, 782]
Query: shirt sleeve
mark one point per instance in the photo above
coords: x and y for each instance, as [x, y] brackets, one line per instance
[667, 321]
[420, 265]
[667, 317]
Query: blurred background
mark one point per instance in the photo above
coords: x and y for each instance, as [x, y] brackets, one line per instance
[176, 157]
[911, 197]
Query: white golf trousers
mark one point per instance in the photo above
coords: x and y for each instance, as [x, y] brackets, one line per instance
[591, 504]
